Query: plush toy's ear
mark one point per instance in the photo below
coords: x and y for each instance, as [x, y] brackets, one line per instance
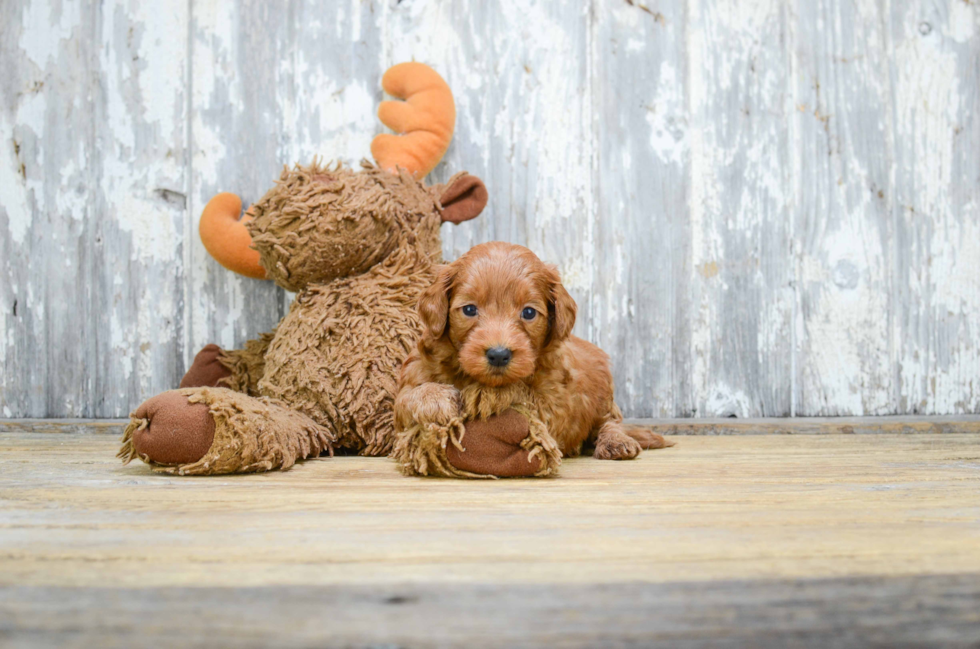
[462, 198]
[433, 305]
[561, 309]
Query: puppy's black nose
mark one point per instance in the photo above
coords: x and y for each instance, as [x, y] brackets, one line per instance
[499, 356]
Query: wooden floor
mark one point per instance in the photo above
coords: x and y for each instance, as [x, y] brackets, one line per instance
[765, 540]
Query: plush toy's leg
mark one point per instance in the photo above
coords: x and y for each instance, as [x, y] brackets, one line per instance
[206, 371]
[208, 431]
[238, 369]
[510, 444]
[493, 447]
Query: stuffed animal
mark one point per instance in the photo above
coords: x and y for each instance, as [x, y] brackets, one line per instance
[358, 248]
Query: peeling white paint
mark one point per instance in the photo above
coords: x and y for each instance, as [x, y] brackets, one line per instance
[927, 107]
[153, 229]
[845, 330]
[130, 191]
[18, 186]
[725, 401]
[665, 117]
[939, 357]
[963, 20]
[162, 61]
[576, 276]
[46, 27]
[13, 187]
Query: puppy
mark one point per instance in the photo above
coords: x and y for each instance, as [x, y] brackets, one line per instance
[498, 323]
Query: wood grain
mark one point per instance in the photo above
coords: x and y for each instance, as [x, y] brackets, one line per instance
[740, 307]
[763, 209]
[524, 122]
[643, 260]
[934, 51]
[842, 221]
[884, 425]
[92, 205]
[764, 540]
[718, 508]
[924, 611]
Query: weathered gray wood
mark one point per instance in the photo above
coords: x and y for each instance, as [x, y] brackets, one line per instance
[842, 223]
[642, 282]
[933, 62]
[881, 425]
[92, 209]
[919, 611]
[763, 209]
[740, 310]
[74, 426]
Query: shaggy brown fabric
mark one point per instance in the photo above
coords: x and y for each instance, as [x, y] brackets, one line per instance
[246, 366]
[206, 371]
[250, 434]
[336, 354]
[359, 248]
[322, 222]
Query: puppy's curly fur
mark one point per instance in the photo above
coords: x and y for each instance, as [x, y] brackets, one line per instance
[500, 298]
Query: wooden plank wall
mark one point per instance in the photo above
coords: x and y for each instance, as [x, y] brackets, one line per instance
[764, 208]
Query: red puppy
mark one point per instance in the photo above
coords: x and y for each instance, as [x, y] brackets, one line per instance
[499, 316]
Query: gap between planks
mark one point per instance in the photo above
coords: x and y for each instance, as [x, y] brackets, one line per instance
[708, 426]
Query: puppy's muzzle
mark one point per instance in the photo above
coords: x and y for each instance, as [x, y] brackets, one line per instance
[499, 356]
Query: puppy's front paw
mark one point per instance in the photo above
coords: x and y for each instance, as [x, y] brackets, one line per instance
[429, 403]
[616, 446]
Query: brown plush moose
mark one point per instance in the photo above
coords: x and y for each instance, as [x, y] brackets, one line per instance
[358, 248]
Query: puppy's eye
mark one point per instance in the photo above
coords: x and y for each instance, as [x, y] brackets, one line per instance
[529, 313]
[469, 310]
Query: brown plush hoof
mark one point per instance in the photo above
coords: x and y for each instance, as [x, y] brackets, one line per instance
[177, 432]
[206, 370]
[493, 447]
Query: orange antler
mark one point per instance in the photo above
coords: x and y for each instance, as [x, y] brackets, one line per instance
[226, 237]
[425, 120]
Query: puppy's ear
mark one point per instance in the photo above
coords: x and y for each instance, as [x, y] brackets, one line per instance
[434, 304]
[561, 309]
